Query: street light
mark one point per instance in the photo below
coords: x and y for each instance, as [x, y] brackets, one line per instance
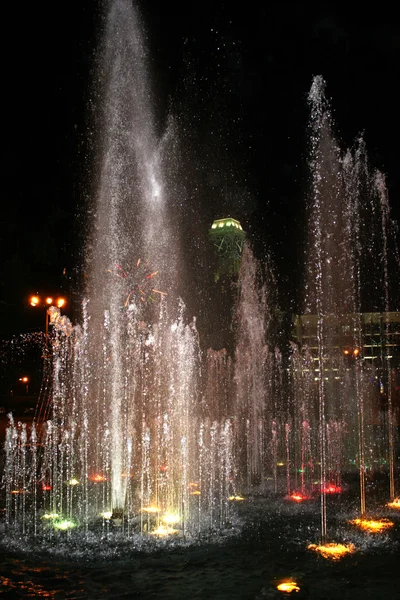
[25, 380]
[48, 301]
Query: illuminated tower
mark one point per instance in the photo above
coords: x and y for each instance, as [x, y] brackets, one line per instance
[228, 239]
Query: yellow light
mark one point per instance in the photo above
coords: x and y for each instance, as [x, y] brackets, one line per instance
[60, 302]
[34, 300]
[49, 300]
[73, 481]
[106, 515]
[333, 551]
[288, 586]
[356, 352]
[371, 525]
[345, 352]
[163, 530]
[280, 464]
[151, 509]
[236, 498]
[24, 379]
[48, 516]
[170, 518]
[394, 504]
[195, 493]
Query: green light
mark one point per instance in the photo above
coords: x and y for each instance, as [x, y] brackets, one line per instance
[49, 516]
[64, 525]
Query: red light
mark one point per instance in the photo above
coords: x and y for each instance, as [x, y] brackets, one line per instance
[331, 488]
[46, 487]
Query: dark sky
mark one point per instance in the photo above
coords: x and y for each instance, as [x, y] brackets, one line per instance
[237, 78]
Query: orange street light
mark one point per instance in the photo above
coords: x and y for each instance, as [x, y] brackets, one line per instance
[25, 379]
[34, 300]
[48, 301]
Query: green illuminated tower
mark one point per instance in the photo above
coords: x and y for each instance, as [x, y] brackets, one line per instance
[228, 239]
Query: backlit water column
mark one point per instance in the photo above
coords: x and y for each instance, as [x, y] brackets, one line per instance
[131, 223]
[330, 292]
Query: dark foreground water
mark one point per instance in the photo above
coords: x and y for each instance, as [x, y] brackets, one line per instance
[271, 547]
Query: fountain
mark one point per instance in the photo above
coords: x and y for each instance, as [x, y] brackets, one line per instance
[135, 437]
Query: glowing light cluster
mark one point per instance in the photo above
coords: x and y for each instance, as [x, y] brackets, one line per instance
[298, 497]
[97, 478]
[64, 525]
[236, 498]
[333, 551]
[288, 587]
[394, 504]
[170, 518]
[106, 515]
[331, 488]
[371, 525]
[151, 509]
[164, 530]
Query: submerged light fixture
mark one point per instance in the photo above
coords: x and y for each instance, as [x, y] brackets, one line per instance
[372, 525]
[333, 551]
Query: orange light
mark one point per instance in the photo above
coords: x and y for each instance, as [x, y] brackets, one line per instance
[372, 526]
[288, 586]
[34, 300]
[298, 497]
[356, 351]
[49, 300]
[345, 352]
[97, 478]
[24, 379]
[394, 504]
[333, 551]
[151, 509]
[60, 302]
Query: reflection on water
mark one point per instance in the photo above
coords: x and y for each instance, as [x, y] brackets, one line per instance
[247, 567]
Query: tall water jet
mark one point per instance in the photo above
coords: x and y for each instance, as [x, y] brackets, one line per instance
[344, 214]
[131, 221]
[125, 438]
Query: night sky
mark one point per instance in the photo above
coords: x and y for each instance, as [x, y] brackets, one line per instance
[236, 80]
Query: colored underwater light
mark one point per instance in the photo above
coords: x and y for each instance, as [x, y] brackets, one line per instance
[106, 515]
[333, 551]
[331, 488]
[49, 516]
[64, 525]
[170, 518]
[371, 525]
[236, 498]
[288, 586]
[298, 497]
[164, 530]
[97, 478]
[151, 509]
[394, 504]
[46, 487]
[73, 482]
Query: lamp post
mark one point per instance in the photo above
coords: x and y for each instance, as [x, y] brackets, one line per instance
[47, 302]
[25, 380]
